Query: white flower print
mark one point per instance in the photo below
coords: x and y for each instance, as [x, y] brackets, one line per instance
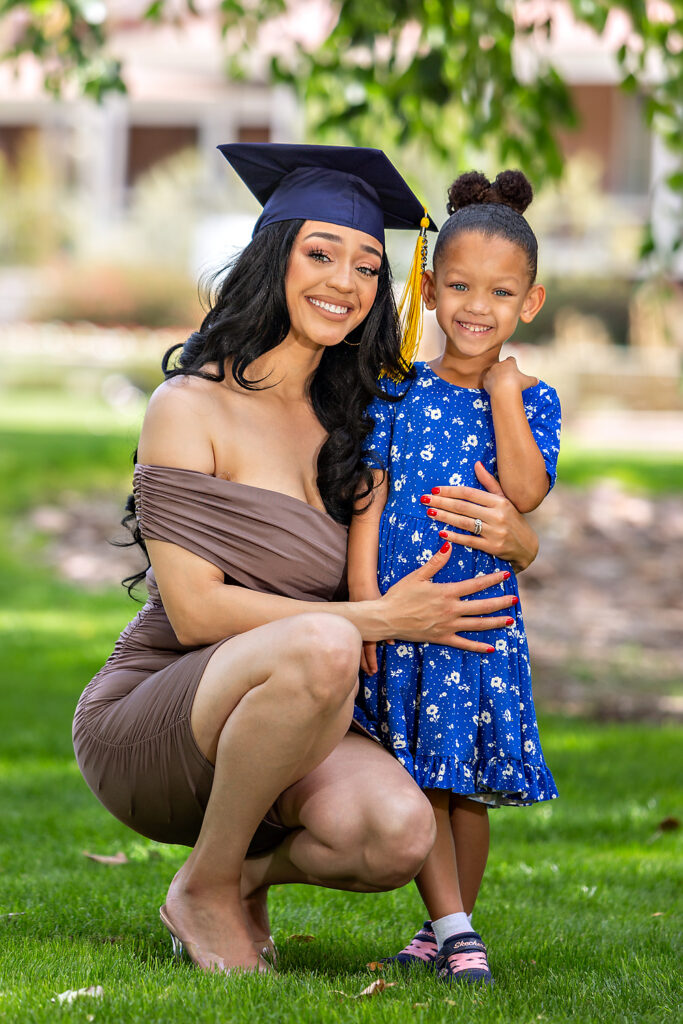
[432, 713]
[472, 439]
[397, 741]
[427, 453]
[485, 717]
[402, 650]
[455, 479]
[529, 747]
[502, 646]
[368, 692]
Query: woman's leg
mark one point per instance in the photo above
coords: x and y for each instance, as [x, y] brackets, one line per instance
[364, 826]
[271, 705]
[470, 825]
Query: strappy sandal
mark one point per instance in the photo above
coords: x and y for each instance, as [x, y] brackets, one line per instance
[203, 959]
[420, 951]
[463, 958]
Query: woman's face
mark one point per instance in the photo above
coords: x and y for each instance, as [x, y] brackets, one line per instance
[331, 281]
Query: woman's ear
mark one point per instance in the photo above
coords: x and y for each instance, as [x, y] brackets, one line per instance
[533, 303]
[429, 289]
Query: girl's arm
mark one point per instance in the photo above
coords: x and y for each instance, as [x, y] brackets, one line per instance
[363, 552]
[364, 541]
[521, 467]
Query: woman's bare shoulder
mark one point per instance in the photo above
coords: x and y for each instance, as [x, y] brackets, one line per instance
[176, 430]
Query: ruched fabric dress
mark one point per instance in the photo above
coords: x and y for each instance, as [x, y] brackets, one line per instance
[132, 734]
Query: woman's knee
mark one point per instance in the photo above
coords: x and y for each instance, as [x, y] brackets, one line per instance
[399, 838]
[324, 652]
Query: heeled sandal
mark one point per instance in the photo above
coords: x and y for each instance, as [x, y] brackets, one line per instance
[204, 960]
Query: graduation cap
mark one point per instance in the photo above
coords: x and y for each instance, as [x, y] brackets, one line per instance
[347, 185]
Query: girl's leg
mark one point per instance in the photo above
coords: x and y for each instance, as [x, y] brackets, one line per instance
[470, 827]
[270, 707]
[438, 882]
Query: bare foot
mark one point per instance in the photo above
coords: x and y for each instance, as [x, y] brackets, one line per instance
[212, 926]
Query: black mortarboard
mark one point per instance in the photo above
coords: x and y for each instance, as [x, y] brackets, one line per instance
[355, 187]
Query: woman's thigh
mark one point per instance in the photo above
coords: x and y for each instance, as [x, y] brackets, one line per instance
[310, 657]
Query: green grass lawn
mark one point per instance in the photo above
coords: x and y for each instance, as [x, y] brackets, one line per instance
[581, 904]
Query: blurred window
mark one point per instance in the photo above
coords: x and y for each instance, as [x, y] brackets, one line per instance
[253, 133]
[13, 141]
[149, 144]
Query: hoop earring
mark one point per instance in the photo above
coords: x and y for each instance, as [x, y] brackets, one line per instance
[352, 344]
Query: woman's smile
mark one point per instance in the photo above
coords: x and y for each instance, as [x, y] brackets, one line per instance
[326, 306]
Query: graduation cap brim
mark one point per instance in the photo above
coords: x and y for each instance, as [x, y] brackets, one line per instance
[352, 186]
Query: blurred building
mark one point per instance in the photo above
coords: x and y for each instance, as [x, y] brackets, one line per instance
[180, 96]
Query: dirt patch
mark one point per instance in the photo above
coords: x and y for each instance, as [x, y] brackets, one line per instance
[603, 603]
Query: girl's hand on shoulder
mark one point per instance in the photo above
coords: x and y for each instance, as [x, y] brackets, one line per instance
[506, 374]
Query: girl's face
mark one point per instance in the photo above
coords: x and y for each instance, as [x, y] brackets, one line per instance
[331, 281]
[480, 290]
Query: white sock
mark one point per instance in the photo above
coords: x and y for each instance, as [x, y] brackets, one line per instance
[452, 924]
[469, 918]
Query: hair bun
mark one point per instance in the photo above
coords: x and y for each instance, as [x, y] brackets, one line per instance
[469, 189]
[511, 188]
[514, 190]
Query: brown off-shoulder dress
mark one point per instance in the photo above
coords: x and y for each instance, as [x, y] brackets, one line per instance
[132, 734]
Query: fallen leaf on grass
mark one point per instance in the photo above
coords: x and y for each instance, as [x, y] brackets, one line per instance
[669, 825]
[301, 938]
[96, 991]
[420, 1006]
[102, 858]
[374, 987]
[658, 913]
[375, 965]
[15, 913]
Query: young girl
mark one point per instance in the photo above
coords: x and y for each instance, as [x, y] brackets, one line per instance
[460, 721]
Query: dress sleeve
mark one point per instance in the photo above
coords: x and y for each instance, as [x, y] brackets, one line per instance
[382, 413]
[543, 412]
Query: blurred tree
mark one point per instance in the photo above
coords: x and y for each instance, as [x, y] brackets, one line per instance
[412, 71]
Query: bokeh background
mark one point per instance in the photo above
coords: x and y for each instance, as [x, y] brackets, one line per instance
[114, 203]
[112, 211]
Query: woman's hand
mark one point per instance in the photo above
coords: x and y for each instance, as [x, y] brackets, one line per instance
[504, 531]
[421, 611]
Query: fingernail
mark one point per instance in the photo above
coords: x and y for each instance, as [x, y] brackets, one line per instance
[490, 650]
[431, 512]
[442, 533]
[445, 547]
[509, 622]
[425, 499]
[436, 490]
[515, 600]
[506, 575]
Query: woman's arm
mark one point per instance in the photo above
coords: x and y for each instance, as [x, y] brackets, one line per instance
[203, 609]
[505, 532]
[521, 466]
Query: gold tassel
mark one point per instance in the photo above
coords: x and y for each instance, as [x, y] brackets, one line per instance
[410, 307]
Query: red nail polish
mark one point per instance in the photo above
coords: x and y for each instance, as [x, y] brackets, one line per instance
[515, 600]
[506, 575]
[425, 499]
[490, 650]
[436, 490]
[446, 547]
[509, 622]
[442, 533]
[431, 512]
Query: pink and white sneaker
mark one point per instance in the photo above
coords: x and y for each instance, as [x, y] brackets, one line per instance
[463, 958]
[420, 951]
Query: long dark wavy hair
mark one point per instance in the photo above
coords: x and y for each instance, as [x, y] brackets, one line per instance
[247, 317]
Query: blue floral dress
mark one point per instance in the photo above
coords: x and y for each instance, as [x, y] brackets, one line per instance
[455, 719]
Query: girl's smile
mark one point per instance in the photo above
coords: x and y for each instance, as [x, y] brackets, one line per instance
[480, 289]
